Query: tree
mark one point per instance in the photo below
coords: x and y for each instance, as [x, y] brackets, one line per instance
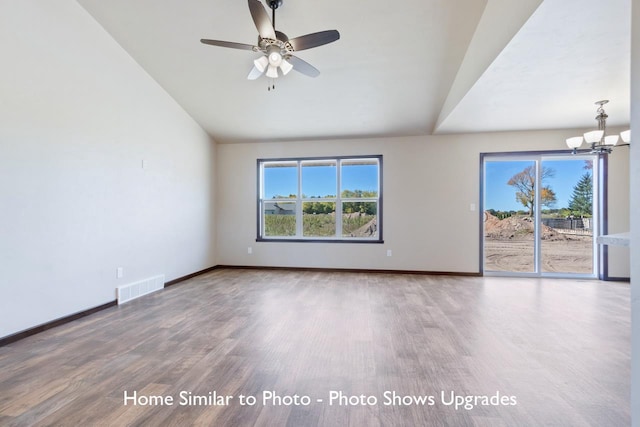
[581, 202]
[525, 183]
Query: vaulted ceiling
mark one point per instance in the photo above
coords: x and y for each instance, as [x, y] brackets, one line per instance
[409, 67]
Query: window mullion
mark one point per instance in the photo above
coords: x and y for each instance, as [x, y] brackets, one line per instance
[299, 226]
[261, 214]
[338, 199]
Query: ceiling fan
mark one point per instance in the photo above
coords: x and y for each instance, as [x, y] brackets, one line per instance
[276, 48]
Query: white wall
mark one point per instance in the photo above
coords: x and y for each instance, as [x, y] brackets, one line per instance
[77, 118]
[429, 184]
[619, 256]
[635, 214]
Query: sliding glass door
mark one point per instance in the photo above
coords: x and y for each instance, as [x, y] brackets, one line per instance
[567, 243]
[509, 231]
[540, 214]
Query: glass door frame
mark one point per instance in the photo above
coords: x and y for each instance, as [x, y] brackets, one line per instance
[599, 209]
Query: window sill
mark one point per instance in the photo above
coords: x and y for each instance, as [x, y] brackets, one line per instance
[311, 240]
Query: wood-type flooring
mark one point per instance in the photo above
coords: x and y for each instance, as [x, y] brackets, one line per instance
[516, 352]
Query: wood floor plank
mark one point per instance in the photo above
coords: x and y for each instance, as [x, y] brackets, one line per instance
[561, 348]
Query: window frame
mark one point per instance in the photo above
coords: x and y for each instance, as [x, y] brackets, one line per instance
[299, 201]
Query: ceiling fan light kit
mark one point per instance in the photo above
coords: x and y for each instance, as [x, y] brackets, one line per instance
[601, 143]
[276, 48]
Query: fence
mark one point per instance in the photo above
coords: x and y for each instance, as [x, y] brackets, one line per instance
[569, 225]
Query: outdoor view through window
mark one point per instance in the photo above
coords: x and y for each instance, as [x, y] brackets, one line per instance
[320, 199]
[567, 215]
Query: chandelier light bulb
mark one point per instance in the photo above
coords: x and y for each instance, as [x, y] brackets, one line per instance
[286, 66]
[626, 136]
[611, 139]
[272, 72]
[574, 142]
[261, 63]
[275, 59]
[594, 136]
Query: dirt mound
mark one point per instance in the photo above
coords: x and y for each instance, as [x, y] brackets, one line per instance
[367, 230]
[515, 228]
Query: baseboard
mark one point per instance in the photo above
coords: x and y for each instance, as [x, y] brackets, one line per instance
[61, 321]
[616, 279]
[354, 270]
[190, 276]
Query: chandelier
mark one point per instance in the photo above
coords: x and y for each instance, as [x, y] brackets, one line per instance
[598, 139]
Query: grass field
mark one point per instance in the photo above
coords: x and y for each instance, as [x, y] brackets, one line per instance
[318, 225]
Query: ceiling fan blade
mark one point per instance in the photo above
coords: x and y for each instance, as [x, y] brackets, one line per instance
[303, 67]
[255, 73]
[232, 45]
[314, 39]
[261, 19]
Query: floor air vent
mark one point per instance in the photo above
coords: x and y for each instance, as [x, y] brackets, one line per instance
[143, 287]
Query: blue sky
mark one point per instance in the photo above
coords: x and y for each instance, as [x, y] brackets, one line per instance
[319, 181]
[500, 196]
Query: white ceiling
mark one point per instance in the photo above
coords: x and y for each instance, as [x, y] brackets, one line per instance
[409, 67]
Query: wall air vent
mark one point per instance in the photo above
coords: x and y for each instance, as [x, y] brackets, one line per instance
[136, 290]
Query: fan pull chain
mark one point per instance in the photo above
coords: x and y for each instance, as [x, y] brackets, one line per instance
[271, 85]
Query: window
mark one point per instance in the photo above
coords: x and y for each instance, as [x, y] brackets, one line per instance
[320, 199]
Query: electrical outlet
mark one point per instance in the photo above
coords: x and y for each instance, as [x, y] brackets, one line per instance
[389, 253]
[119, 272]
[249, 250]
